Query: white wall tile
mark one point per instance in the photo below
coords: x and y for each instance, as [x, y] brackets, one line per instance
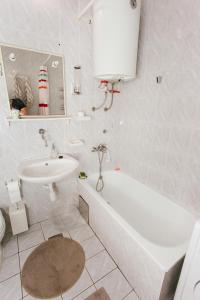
[161, 121]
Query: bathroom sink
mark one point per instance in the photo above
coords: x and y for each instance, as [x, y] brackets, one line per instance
[47, 170]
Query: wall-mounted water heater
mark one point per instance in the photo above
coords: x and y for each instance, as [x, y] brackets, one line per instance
[115, 38]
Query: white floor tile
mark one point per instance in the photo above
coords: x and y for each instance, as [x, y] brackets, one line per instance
[115, 285]
[30, 239]
[81, 233]
[32, 298]
[24, 255]
[81, 285]
[11, 289]
[50, 228]
[100, 265]
[10, 247]
[86, 293]
[10, 267]
[22, 258]
[34, 227]
[73, 220]
[131, 296]
[92, 246]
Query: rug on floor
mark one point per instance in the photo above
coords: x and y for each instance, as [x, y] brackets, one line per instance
[53, 267]
[99, 295]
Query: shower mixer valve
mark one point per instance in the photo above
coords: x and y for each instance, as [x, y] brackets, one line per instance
[100, 148]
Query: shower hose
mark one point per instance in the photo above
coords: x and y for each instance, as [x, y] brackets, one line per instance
[100, 181]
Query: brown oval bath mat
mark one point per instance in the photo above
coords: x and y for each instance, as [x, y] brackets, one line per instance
[53, 268]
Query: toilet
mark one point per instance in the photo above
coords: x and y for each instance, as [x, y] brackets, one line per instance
[2, 232]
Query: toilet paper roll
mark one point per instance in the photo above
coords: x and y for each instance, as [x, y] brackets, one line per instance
[14, 191]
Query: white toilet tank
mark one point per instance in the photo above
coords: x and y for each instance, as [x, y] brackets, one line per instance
[115, 38]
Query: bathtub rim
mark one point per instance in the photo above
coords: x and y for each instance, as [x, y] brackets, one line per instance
[165, 256]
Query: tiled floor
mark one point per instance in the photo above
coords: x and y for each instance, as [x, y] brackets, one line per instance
[100, 269]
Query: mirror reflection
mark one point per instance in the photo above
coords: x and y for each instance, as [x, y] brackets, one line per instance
[35, 82]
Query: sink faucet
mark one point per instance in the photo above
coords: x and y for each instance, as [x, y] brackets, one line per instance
[42, 132]
[54, 151]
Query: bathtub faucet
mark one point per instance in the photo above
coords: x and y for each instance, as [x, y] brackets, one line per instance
[101, 149]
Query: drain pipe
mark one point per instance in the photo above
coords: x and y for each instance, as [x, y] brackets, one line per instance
[53, 191]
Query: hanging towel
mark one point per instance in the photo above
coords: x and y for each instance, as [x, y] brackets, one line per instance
[43, 86]
[23, 89]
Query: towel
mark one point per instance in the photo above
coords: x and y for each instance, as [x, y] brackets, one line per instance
[23, 89]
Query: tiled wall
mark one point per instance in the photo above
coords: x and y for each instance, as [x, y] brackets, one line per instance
[159, 141]
[48, 26]
[153, 130]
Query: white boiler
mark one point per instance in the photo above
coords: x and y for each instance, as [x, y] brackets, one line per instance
[115, 38]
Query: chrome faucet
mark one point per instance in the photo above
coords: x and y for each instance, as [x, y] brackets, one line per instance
[43, 136]
[54, 151]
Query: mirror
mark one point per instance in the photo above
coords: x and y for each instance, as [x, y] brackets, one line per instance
[35, 82]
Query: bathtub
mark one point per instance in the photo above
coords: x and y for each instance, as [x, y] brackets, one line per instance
[145, 232]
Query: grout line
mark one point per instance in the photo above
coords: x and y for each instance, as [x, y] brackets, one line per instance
[106, 275]
[78, 226]
[7, 257]
[88, 238]
[21, 285]
[127, 295]
[95, 234]
[89, 274]
[19, 268]
[132, 291]
[82, 291]
[9, 278]
[95, 254]
[30, 247]
[42, 231]
[113, 259]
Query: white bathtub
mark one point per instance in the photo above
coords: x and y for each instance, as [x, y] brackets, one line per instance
[146, 233]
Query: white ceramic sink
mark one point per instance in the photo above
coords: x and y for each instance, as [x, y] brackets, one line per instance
[47, 170]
